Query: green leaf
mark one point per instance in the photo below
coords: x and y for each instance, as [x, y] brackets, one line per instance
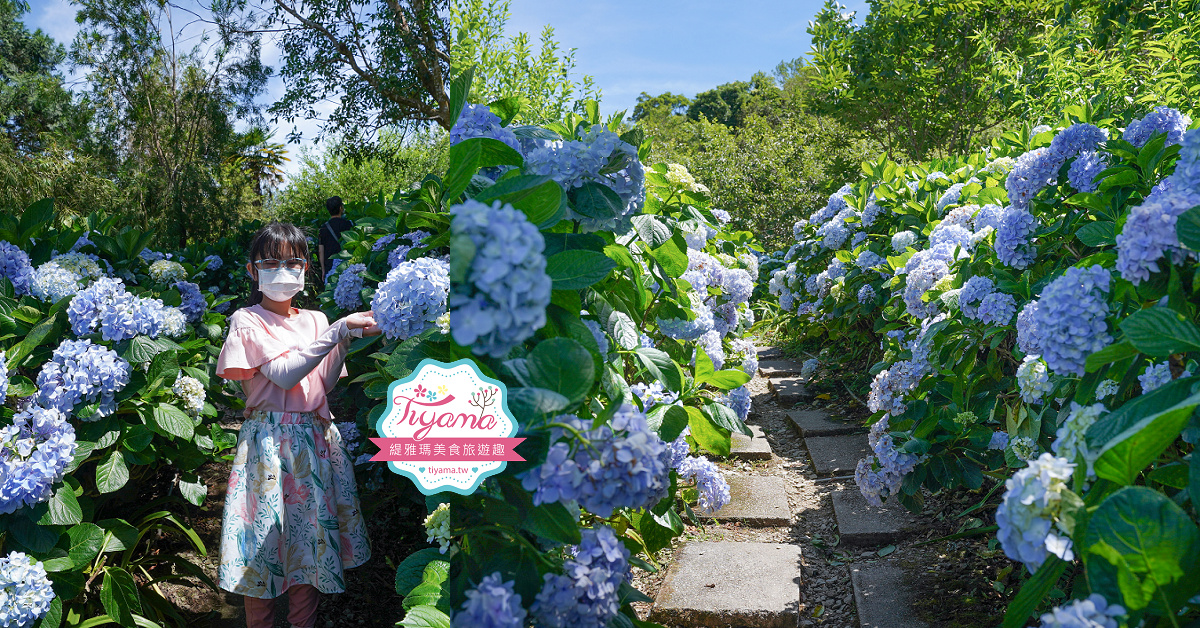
[31, 341]
[164, 368]
[1034, 591]
[411, 570]
[137, 437]
[1161, 399]
[1125, 177]
[596, 201]
[38, 215]
[86, 539]
[460, 90]
[1194, 479]
[462, 254]
[141, 349]
[725, 418]
[662, 368]
[425, 617]
[1187, 228]
[1108, 355]
[1127, 453]
[63, 508]
[174, 421]
[528, 402]
[1153, 539]
[193, 488]
[27, 532]
[119, 595]
[704, 366]
[539, 197]
[463, 164]
[553, 521]
[672, 255]
[710, 437]
[575, 270]
[667, 421]
[112, 474]
[119, 535]
[1100, 233]
[727, 379]
[506, 108]
[651, 230]
[1160, 331]
[563, 366]
[427, 594]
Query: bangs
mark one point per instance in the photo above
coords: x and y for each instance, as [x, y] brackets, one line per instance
[279, 240]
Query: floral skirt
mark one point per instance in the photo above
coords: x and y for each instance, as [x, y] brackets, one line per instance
[292, 513]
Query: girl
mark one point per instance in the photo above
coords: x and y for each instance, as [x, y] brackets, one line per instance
[292, 520]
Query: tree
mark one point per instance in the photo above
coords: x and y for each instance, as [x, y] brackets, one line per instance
[33, 101]
[384, 63]
[164, 115]
[508, 67]
[722, 104]
[665, 104]
[259, 158]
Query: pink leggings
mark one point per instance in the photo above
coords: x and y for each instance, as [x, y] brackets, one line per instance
[302, 608]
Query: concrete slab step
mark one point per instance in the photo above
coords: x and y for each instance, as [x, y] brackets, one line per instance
[751, 447]
[817, 423]
[789, 390]
[731, 583]
[770, 353]
[837, 455]
[883, 597]
[860, 523]
[756, 500]
[779, 368]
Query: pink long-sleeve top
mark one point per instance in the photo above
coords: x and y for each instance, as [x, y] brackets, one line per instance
[257, 336]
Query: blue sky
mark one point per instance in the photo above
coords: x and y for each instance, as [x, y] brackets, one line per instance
[629, 46]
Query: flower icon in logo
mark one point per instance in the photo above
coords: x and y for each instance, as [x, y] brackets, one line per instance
[419, 390]
[430, 395]
[442, 390]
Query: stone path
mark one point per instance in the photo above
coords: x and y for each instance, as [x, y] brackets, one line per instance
[739, 583]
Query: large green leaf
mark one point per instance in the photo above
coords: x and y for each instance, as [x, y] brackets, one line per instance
[112, 474]
[425, 617]
[174, 421]
[672, 255]
[539, 197]
[193, 488]
[553, 521]
[1102, 233]
[38, 215]
[86, 539]
[651, 230]
[564, 366]
[575, 270]
[1144, 548]
[1108, 355]
[1034, 591]
[710, 437]
[1160, 331]
[723, 417]
[1187, 228]
[1163, 398]
[164, 368]
[667, 420]
[662, 367]
[529, 402]
[460, 90]
[63, 508]
[119, 535]
[596, 201]
[411, 570]
[119, 595]
[1124, 456]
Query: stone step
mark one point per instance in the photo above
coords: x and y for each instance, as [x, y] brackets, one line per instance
[837, 455]
[860, 523]
[756, 500]
[751, 447]
[779, 368]
[817, 423]
[770, 353]
[790, 390]
[883, 597]
[731, 583]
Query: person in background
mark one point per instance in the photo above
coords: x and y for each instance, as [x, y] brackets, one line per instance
[329, 242]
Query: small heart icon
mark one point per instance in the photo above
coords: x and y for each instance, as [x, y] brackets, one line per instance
[421, 470]
[474, 469]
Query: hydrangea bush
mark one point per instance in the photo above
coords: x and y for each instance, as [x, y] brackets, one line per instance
[613, 302]
[1035, 308]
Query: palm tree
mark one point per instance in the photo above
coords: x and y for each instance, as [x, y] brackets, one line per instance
[259, 158]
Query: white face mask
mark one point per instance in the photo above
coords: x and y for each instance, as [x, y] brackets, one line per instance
[280, 284]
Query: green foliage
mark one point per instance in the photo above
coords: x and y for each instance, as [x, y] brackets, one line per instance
[33, 100]
[509, 67]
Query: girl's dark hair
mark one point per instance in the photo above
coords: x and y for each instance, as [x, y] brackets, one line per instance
[276, 240]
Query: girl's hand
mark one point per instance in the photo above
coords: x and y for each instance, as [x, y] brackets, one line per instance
[365, 320]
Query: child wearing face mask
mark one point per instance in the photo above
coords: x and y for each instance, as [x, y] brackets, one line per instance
[292, 520]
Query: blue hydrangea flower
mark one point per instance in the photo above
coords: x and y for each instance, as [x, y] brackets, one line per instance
[680, 329]
[1034, 171]
[834, 206]
[973, 292]
[348, 293]
[585, 595]
[34, 454]
[950, 197]
[1155, 376]
[573, 163]
[1149, 231]
[1091, 612]
[882, 474]
[492, 604]
[1084, 169]
[120, 315]
[3, 377]
[1070, 318]
[412, 297]
[166, 271]
[1027, 331]
[738, 400]
[999, 440]
[868, 260]
[903, 240]
[150, 257]
[25, 590]
[1106, 388]
[82, 372]
[1161, 120]
[1076, 139]
[997, 308]
[738, 285]
[891, 385]
[951, 235]
[713, 489]
[193, 304]
[52, 282]
[1028, 515]
[622, 465]
[212, 262]
[866, 294]
[503, 300]
[721, 215]
[989, 216]
[1013, 245]
[383, 242]
[15, 265]
[1069, 440]
[479, 121]
[919, 281]
[335, 263]
[652, 395]
[809, 367]
[598, 334]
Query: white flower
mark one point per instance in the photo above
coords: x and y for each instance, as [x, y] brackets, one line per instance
[1069, 441]
[1033, 379]
[437, 526]
[1030, 515]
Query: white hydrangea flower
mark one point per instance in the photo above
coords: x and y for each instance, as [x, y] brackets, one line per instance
[1030, 515]
[191, 391]
[1023, 448]
[1106, 388]
[166, 271]
[1033, 379]
[1069, 441]
[437, 526]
